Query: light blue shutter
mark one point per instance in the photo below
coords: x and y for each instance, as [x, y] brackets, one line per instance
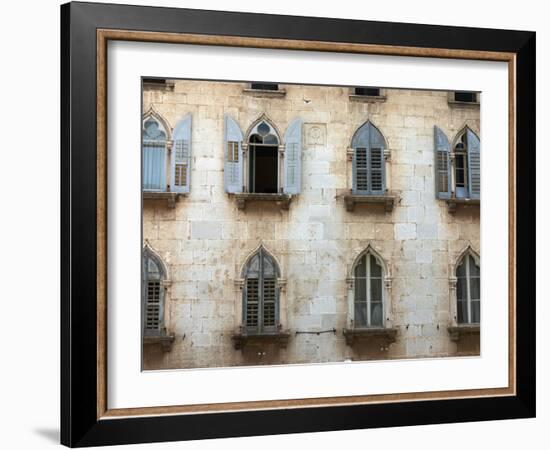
[377, 166]
[154, 157]
[233, 167]
[293, 157]
[474, 174]
[360, 144]
[442, 164]
[181, 156]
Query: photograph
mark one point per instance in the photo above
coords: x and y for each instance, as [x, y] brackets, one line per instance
[308, 224]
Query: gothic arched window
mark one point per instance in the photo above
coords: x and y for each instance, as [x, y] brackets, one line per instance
[154, 155]
[468, 290]
[368, 298]
[369, 173]
[261, 294]
[153, 294]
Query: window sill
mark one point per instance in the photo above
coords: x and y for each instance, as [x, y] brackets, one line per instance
[354, 199]
[281, 200]
[164, 340]
[357, 335]
[170, 197]
[367, 98]
[452, 203]
[240, 340]
[265, 93]
[467, 104]
[459, 331]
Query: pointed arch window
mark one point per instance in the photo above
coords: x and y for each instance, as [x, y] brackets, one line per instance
[261, 294]
[369, 172]
[468, 290]
[154, 155]
[467, 165]
[153, 294]
[368, 292]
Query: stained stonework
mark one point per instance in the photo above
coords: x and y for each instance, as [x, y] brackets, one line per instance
[205, 238]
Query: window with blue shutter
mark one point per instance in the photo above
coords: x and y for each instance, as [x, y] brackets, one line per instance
[442, 164]
[261, 294]
[152, 294]
[181, 156]
[233, 166]
[154, 155]
[369, 169]
[474, 163]
[293, 157]
[467, 168]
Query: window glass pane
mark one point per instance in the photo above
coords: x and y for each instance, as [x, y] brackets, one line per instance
[375, 268]
[361, 268]
[360, 290]
[376, 319]
[461, 288]
[475, 311]
[253, 269]
[271, 140]
[461, 269]
[376, 289]
[474, 268]
[462, 312]
[474, 288]
[269, 267]
[360, 314]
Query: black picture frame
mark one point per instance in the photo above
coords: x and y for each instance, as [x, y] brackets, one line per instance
[80, 425]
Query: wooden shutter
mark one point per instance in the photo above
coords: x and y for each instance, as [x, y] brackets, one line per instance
[181, 156]
[474, 173]
[293, 157]
[376, 163]
[360, 171]
[377, 167]
[233, 168]
[153, 296]
[442, 164]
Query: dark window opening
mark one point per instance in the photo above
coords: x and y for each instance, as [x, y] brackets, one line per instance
[467, 97]
[159, 81]
[460, 170]
[265, 86]
[370, 91]
[263, 168]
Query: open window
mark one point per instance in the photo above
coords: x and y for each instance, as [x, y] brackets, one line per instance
[457, 168]
[262, 167]
[166, 163]
[368, 156]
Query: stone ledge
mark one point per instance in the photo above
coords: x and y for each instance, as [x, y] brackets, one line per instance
[281, 200]
[367, 98]
[241, 339]
[352, 199]
[452, 203]
[357, 335]
[265, 92]
[168, 86]
[164, 340]
[459, 331]
[170, 197]
[467, 104]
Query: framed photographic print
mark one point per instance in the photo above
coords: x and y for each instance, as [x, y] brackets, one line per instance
[277, 224]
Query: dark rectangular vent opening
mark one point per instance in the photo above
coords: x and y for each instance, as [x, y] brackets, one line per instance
[370, 91]
[468, 97]
[265, 86]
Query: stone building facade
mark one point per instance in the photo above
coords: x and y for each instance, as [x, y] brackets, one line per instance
[270, 211]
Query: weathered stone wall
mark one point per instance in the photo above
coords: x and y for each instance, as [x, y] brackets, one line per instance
[205, 239]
